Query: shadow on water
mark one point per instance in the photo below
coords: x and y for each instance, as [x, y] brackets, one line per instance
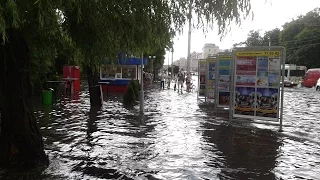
[245, 153]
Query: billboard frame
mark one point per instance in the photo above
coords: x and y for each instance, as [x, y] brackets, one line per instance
[267, 52]
[223, 54]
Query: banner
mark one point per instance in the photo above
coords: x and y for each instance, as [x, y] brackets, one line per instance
[202, 77]
[224, 80]
[257, 84]
[211, 79]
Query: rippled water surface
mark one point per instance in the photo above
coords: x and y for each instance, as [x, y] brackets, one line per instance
[179, 139]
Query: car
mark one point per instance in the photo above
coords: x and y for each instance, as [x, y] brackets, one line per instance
[318, 85]
[312, 75]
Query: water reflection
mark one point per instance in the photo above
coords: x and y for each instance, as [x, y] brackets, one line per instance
[242, 153]
[177, 139]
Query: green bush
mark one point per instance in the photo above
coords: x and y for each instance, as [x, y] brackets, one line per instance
[136, 87]
[129, 97]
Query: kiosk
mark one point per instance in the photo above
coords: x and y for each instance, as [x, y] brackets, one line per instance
[114, 78]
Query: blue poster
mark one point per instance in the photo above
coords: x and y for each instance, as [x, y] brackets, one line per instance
[225, 63]
[273, 79]
[212, 66]
[263, 64]
[224, 72]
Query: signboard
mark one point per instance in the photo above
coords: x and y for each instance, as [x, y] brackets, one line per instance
[211, 78]
[224, 79]
[256, 83]
[202, 67]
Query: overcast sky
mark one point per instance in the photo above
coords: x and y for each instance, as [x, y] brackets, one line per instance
[267, 15]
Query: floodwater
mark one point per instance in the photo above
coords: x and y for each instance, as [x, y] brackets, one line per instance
[179, 139]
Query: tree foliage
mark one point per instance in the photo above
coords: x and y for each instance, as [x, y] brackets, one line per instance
[300, 37]
[256, 39]
[92, 31]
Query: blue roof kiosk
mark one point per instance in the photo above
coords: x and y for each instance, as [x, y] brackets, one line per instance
[118, 76]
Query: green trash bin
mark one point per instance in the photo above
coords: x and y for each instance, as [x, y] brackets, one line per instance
[47, 97]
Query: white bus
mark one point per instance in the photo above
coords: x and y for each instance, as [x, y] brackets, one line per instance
[294, 75]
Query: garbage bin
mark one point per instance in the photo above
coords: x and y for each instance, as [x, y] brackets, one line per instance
[47, 97]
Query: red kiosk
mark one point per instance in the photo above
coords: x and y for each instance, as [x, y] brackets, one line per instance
[71, 74]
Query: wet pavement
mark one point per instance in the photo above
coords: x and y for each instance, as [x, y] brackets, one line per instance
[179, 139]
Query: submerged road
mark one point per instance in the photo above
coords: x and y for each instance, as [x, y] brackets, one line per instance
[178, 139]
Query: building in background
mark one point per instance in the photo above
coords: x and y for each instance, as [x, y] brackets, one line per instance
[182, 63]
[194, 60]
[210, 49]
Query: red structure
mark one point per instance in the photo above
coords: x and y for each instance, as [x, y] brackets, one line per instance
[117, 89]
[73, 72]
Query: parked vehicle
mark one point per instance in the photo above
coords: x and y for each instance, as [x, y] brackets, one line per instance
[311, 77]
[294, 75]
[318, 85]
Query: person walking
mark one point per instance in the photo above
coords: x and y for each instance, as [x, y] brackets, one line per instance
[180, 81]
[162, 79]
[188, 82]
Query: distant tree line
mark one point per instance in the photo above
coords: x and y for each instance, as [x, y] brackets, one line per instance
[300, 37]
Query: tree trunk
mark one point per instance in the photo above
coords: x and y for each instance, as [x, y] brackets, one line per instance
[94, 88]
[21, 143]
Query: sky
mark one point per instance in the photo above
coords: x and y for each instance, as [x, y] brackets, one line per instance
[268, 14]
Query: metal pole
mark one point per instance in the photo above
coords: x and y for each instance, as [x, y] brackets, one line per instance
[168, 62]
[232, 78]
[189, 37]
[282, 87]
[141, 91]
[172, 63]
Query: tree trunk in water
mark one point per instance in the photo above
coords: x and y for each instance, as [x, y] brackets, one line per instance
[21, 143]
[94, 88]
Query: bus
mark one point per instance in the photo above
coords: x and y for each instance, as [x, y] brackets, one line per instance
[294, 75]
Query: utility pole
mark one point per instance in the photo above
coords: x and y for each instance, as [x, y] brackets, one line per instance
[172, 63]
[269, 41]
[141, 88]
[168, 62]
[189, 37]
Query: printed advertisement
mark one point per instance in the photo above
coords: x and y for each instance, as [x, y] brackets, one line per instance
[274, 64]
[212, 75]
[211, 62]
[262, 78]
[211, 84]
[210, 94]
[224, 98]
[212, 65]
[225, 62]
[273, 79]
[202, 77]
[267, 102]
[224, 79]
[244, 98]
[245, 80]
[224, 83]
[224, 72]
[262, 63]
[246, 64]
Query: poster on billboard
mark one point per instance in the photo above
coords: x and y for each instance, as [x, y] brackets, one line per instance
[224, 79]
[256, 83]
[202, 68]
[267, 102]
[211, 78]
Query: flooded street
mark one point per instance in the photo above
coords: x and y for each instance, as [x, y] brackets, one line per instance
[178, 139]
